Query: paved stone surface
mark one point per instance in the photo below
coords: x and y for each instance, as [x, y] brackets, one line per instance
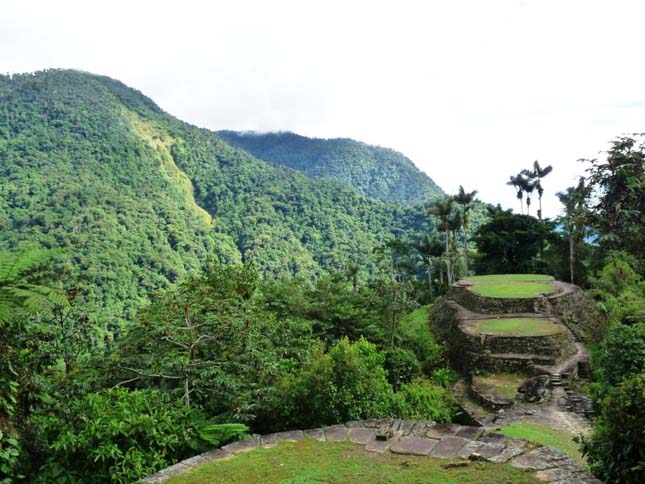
[493, 438]
[379, 446]
[316, 434]
[361, 435]
[470, 448]
[471, 433]
[539, 459]
[414, 446]
[271, 440]
[507, 454]
[448, 448]
[488, 451]
[335, 433]
[242, 445]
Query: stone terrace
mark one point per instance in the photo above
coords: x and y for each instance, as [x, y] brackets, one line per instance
[410, 437]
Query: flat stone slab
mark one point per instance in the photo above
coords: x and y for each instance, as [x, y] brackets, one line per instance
[379, 446]
[360, 435]
[242, 445]
[470, 433]
[335, 433]
[573, 475]
[316, 434]
[273, 439]
[439, 431]
[507, 454]
[414, 446]
[469, 449]
[493, 438]
[488, 451]
[448, 448]
[539, 459]
[216, 454]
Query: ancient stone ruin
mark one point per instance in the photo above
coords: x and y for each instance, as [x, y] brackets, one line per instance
[519, 348]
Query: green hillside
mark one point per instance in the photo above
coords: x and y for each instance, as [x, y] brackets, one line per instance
[377, 172]
[137, 198]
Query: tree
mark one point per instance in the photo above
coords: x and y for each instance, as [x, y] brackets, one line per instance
[466, 201]
[528, 186]
[618, 185]
[429, 249]
[539, 173]
[509, 243]
[445, 211]
[18, 289]
[516, 182]
[574, 200]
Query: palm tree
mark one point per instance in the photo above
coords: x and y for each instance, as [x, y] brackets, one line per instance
[466, 201]
[352, 273]
[539, 173]
[574, 200]
[444, 210]
[527, 185]
[516, 182]
[429, 249]
[18, 292]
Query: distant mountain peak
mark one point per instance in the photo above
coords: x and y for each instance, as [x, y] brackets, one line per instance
[377, 172]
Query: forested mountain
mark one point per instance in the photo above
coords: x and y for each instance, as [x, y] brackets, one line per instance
[377, 172]
[136, 198]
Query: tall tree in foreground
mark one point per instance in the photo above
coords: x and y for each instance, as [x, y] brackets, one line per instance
[445, 211]
[465, 199]
[574, 200]
[618, 184]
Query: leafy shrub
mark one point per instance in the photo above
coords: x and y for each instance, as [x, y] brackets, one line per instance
[401, 366]
[121, 436]
[615, 448]
[346, 383]
[422, 400]
[621, 355]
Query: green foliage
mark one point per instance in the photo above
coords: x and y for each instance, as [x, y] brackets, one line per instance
[510, 243]
[346, 383]
[139, 199]
[615, 449]
[377, 172]
[422, 400]
[401, 366]
[620, 290]
[620, 355]
[121, 436]
[209, 343]
[414, 334]
[619, 186]
[9, 455]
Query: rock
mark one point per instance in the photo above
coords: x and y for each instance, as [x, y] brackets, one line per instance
[290, 436]
[452, 465]
[335, 433]
[535, 389]
[316, 434]
[448, 448]
[242, 445]
[414, 446]
[361, 435]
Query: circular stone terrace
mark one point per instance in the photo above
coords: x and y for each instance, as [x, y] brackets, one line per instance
[514, 327]
[512, 285]
[458, 444]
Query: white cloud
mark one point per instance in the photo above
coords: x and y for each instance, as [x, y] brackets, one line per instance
[472, 91]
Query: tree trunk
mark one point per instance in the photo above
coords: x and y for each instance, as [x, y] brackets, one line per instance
[430, 277]
[465, 249]
[572, 256]
[448, 264]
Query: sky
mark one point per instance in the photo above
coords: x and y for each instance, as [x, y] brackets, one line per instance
[471, 91]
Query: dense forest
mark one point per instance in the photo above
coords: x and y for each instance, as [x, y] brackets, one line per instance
[377, 172]
[163, 292]
[138, 199]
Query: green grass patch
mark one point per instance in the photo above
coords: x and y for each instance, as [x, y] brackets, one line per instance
[518, 327]
[503, 385]
[309, 462]
[546, 436]
[507, 278]
[512, 289]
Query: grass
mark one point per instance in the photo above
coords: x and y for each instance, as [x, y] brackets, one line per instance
[545, 436]
[512, 289]
[503, 385]
[507, 278]
[518, 327]
[309, 462]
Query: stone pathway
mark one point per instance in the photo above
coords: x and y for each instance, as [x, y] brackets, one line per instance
[414, 437]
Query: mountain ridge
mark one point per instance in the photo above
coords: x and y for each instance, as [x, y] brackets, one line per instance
[137, 199]
[375, 171]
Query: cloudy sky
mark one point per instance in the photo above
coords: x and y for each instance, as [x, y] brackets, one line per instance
[471, 91]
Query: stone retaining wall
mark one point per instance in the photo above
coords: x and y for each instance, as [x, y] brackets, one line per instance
[410, 437]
